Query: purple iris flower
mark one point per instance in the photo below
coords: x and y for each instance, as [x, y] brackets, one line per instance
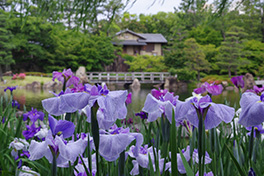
[210, 88]
[33, 115]
[186, 154]
[31, 131]
[78, 88]
[142, 115]
[251, 172]
[116, 140]
[25, 153]
[129, 98]
[155, 108]
[18, 144]
[19, 165]
[55, 144]
[258, 129]
[158, 93]
[66, 75]
[205, 174]
[10, 88]
[238, 81]
[256, 90]
[73, 80]
[201, 89]
[15, 104]
[3, 120]
[187, 125]
[61, 127]
[252, 107]
[60, 76]
[127, 121]
[215, 114]
[82, 135]
[111, 106]
[80, 168]
[215, 89]
[42, 133]
[26, 171]
[142, 159]
[66, 102]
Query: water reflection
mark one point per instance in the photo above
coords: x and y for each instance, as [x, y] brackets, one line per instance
[32, 98]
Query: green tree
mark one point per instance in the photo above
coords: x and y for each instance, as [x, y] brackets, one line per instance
[255, 54]
[72, 49]
[33, 43]
[205, 35]
[5, 43]
[174, 53]
[253, 18]
[230, 52]
[195, 57]
[147, 63]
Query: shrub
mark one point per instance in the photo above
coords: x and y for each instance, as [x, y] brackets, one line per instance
[22, 76]
[128, 57]
[185, 74]
[19, 76]
[172, 71]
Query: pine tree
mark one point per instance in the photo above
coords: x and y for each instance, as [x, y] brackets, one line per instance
[195, 57]
[230, 52]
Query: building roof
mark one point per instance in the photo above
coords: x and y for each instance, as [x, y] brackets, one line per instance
[153, 38]
[130, 42]
[143, 38]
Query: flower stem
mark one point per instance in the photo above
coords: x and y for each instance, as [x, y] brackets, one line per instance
[95, 132]
[54, 165]
[251, 145]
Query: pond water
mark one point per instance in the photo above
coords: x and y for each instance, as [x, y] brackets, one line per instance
[32, 98]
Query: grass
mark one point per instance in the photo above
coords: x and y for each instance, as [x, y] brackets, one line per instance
[24, 82]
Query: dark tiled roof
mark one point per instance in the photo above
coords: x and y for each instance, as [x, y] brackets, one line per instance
[153, 38]
[130, 42]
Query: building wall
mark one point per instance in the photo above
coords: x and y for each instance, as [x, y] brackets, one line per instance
[157, 50]
[130, 50]
[127, 36]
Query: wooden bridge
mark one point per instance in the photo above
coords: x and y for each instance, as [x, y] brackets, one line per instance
[127, 77]
[259, 82]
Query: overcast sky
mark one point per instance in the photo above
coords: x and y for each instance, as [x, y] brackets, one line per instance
[144, 6]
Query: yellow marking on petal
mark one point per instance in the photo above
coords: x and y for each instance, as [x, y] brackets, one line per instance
[259, 101]
[59, 133]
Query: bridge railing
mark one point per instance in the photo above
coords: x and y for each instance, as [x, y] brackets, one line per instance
[144, 77]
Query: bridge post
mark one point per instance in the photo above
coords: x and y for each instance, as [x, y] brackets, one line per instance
[100, 77]
[108, 77]
[91, 76]
[151, 77]
[133, 76]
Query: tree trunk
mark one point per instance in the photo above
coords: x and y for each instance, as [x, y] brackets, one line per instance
[1, 73]
[262, 25]
[198, 76]
[229, 72]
